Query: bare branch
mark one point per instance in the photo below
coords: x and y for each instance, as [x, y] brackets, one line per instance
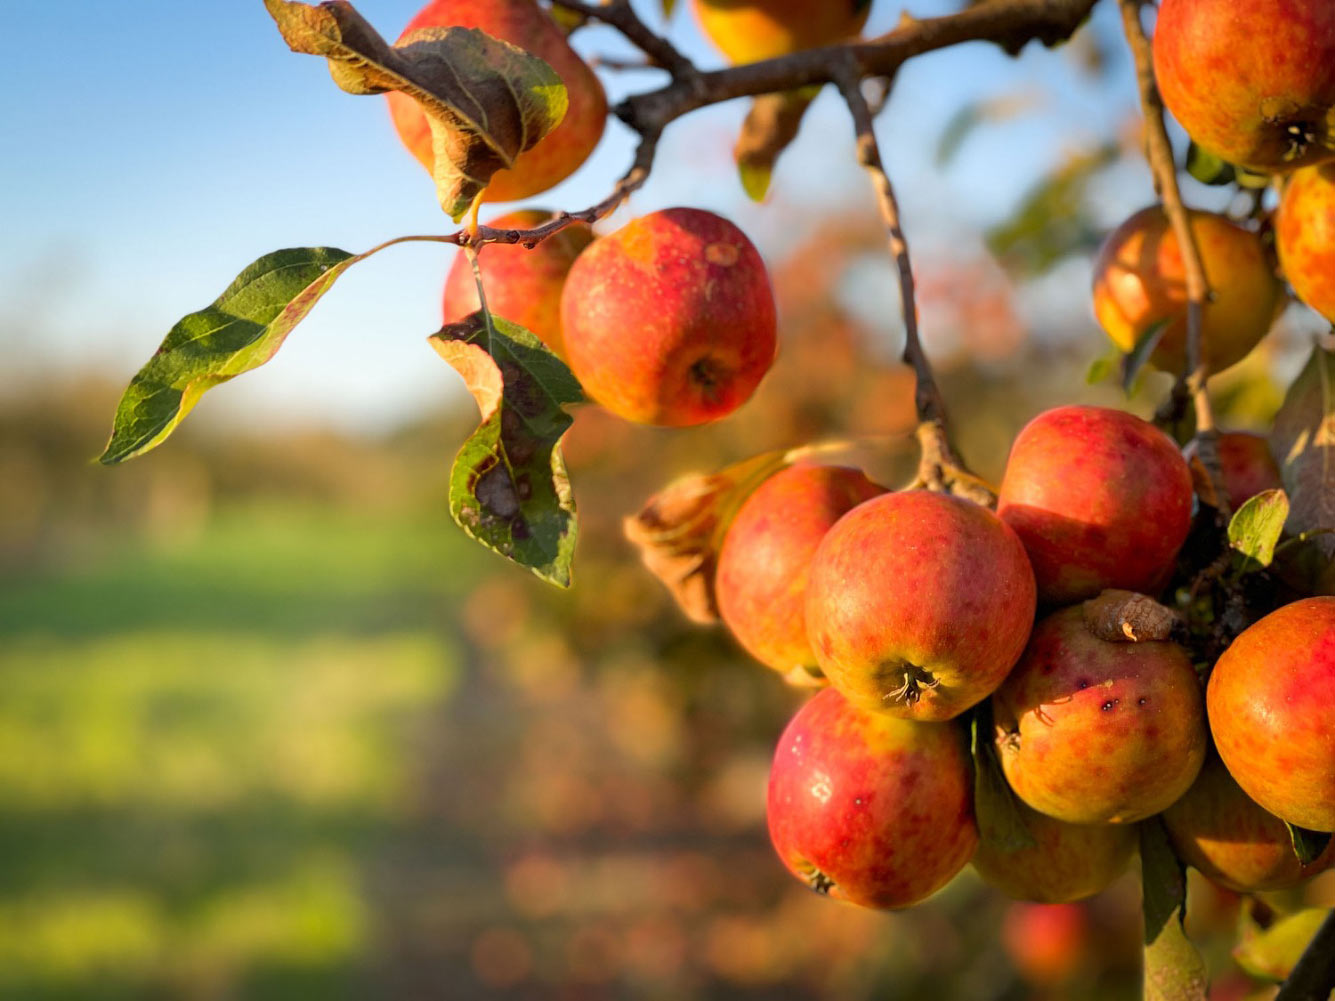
[620, 15]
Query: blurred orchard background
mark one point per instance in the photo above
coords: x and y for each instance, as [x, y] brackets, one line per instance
[271, 728]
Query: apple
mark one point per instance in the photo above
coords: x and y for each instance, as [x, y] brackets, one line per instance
[918, 604]
[671, 319]
[1100, 499]
[1140, 283]
[1093, 732]
[747, 31]
[521, 285]
[1305, 236]
[1048, 943]
[1218, 829]
[1067, 862]
[868, 808]
[1250, 80]
[1269, 699]
[1246, 463]
[523, 23]
[761, 582]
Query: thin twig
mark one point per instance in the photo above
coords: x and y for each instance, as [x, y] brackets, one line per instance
[1159, 154]
[620, 15]
[939, 468]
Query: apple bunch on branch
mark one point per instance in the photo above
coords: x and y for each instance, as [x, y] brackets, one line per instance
[1128, 646]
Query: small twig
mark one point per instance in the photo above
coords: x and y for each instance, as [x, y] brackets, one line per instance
[939, 468]
[1159, 154]
[624, 65]
[1313, 978]
[620, 15]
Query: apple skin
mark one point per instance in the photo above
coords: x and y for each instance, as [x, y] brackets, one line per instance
[1231, 841]
[522, 285]
[1305, 236]
[1245, 78]
[1092, 732]
[918, 604]
[761, 583]
[1269, 699]
[1048, 943]
[671, 319]
[747, 31]
[523, 23]
[1139, 282]
[1247, 465]
[1100, 498]
[868, 808]
[1068, 862]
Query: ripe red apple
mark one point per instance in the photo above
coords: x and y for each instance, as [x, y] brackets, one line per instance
[870, 809]
[1067, 861]
[918, 604]
[1305, 236]
[1100, 499]
[1218, 829]
[525, 24]
[521, 285]
[1270, 701]
[1048, 943]
[671, 319]
[1250, 80]
[1246, 463]
[750, 30]
[1140, 282]
[1093, 732]
[761, 583]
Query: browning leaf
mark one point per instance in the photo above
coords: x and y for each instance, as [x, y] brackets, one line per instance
[486, 100]
[1117, 616]
[1303, 440]
[508, 485]
[679, 530]
[771, 124]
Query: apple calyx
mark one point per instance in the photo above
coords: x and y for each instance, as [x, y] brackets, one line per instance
[915, 680]
[816, 879]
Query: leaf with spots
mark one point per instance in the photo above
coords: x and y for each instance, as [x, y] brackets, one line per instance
[1174, 970]
[508, 486]
[486, 101]
[241, 330]
[1255, 528]
[1303, 440]
[1000, 820]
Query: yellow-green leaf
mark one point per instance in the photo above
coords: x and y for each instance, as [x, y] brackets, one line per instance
[1174, 970]
[770, 126]
[1272, 954]
[1303, 440]
[1255, 528]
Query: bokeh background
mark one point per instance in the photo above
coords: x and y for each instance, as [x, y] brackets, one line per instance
[271, 728]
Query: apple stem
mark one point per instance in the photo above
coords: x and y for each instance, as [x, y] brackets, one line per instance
[939, 468]
[1159, 155]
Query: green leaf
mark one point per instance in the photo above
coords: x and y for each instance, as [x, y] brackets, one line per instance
[487, 101]
[1208, 168]
[1134, 361]
[668, 7]
[1273, 952]
[242, 330]
[1255, 528]
[770, 126]
[508, 486]
[1303, 441]
[1000, 820]
[1307, 845]
[1102, 368]
[1174, 970]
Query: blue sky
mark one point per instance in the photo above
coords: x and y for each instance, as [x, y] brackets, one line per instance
[156, 148]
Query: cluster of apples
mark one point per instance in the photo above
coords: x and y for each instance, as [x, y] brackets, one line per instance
[915, 607]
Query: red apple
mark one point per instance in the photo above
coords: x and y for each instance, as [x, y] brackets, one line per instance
[1067, 861]
[870, 809]
[1140, 283]
[1250, 80]
[671, 319]
[1270, 701]
[750, 30]
[1100, 499]
[761, 583]
[1305, 236]
[521, 285]
[525, 24]
[918, 604]
[1247, 466]
[1232, 841]
[1093, 732]
[1048, 943]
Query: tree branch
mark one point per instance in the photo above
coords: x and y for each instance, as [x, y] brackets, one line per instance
[1159, 154]
[1313, 978]
[620, 15]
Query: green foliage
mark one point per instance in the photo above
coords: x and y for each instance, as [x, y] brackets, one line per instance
[508, 487]
[240, 331]
[1255, 528]
[1000, 821]
[1307, 845]
[1174, 970]
[1303, 441]
[1208, 168]
[1133, 363]
[486, 100]
[1272, 953]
